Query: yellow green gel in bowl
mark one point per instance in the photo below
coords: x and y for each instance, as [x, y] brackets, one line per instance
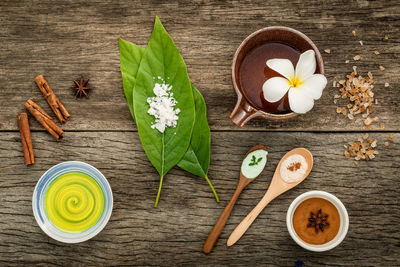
[74, 202]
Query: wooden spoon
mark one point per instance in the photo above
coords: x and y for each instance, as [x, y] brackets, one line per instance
[223, 218]
[276, 188]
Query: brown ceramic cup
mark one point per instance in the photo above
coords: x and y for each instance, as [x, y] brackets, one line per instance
[244, 111]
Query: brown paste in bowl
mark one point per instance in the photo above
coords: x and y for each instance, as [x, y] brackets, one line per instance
[316, 221]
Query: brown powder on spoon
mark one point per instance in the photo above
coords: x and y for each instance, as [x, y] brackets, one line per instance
[294, 166]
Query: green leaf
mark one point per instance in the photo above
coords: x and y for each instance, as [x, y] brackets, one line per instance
[162, 59]
[130, 56]
[197, 157]
[259, 160]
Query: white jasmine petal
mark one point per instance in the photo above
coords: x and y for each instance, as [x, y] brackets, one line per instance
[300, 102]
[306, 65]
[304, 86]
[314, 85]
[282, 66]
[275, 88]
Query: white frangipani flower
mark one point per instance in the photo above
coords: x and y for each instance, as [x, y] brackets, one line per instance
[303, 85]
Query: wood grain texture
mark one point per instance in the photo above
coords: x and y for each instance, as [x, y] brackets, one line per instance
[63, 39]
[173, 233]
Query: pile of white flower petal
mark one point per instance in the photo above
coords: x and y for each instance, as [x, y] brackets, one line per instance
[162, 107]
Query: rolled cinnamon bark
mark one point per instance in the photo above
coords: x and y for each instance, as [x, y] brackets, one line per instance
[59, 110]
[44, 119]
[26, 140]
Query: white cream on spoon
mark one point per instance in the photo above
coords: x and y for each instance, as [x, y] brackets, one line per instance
[293, 168]
[254, 163]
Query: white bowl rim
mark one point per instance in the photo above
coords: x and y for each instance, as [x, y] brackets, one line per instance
[79, 239]
[344, 220]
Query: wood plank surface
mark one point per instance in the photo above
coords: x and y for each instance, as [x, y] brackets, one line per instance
[173, 233]
[63, 39]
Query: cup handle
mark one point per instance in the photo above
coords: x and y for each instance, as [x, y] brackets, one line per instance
[243, 112]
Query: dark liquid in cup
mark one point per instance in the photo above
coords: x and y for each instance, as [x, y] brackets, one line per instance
[254, 72]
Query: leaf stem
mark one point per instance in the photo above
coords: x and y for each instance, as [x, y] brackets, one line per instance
[159, 191]
[162, 171]
[212, 188]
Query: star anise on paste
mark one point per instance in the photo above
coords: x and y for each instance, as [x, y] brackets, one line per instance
[318, 221]
[81, 87]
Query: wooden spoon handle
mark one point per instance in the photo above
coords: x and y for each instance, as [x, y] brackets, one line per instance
[220, 224]
[245, 224]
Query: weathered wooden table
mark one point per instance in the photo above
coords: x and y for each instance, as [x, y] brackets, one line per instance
[62, 39]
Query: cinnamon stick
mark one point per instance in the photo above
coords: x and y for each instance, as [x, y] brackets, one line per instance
[59, 110]
[44, 119]
[26, 140]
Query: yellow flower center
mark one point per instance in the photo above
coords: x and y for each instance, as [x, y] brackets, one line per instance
[295, 82]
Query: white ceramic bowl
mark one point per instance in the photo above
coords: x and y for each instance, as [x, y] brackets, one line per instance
[344, 220]
[40, 191]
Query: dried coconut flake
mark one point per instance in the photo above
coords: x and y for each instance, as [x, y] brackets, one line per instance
[162, 107]
[363, 148]
[359, 91]
[386, 143]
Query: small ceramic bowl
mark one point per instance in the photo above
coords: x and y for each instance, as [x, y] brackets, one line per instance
[40, 191]
[344, 221]
[244, 110]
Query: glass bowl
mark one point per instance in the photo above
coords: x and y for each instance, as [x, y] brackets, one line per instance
[39, 195]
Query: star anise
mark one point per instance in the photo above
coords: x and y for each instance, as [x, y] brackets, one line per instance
[318, 221]
[81, 87]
